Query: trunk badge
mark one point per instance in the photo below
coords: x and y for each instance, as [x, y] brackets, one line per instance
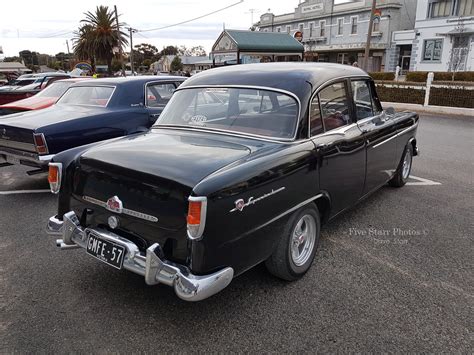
[114, 204]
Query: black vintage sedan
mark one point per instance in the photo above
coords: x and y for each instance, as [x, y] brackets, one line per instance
[243, 166]
[89, 111]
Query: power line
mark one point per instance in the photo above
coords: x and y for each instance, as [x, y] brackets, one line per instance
[408, 13]
[193, 19]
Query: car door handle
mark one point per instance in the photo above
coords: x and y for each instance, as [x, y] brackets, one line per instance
[154, 115]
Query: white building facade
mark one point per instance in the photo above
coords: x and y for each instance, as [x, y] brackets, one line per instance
[444, 36]
[337, 32]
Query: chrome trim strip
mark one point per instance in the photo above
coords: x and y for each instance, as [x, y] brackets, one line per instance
[228, 133]
[202, 225]
[396, 135]
[45, 157]
[305, 202]
[126, 211]
[248, 87]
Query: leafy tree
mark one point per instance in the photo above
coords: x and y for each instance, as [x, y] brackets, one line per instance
[170, 50]
[98, 35]
[193, 51]
[147, 51]
[176, 64]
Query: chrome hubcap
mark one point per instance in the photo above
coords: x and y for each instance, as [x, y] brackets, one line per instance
[303, 239]
[406, 164]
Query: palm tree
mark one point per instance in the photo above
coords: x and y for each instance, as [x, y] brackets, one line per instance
[82, 44]
[98, 36]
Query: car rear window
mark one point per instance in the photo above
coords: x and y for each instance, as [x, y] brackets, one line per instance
[87, 95]
[242, 110]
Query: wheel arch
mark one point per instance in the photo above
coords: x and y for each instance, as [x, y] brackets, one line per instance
[323, 203]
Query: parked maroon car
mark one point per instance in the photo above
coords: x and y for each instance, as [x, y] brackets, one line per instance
[23, 88]
[43, 99]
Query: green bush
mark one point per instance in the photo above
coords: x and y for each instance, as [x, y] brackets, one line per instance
[400, 93]
[417, 76]
[421, 76]
[382, 75]
[458, 76]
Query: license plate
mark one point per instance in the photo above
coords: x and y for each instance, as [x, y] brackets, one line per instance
[12, 160]
[106, 251]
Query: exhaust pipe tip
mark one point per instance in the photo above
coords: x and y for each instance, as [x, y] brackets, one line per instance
[59, 243]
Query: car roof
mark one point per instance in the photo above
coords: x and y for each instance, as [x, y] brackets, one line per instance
[135, 79]
[74, 79]
[298, 78]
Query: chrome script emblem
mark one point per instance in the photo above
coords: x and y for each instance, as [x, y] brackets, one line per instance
[240, 204]
[114, 204]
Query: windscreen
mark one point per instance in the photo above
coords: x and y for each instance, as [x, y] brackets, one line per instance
[242, 110]
[87, 96]
[55, 89]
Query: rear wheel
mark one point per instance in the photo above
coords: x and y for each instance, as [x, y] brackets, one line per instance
[297, 245]
[404, 168]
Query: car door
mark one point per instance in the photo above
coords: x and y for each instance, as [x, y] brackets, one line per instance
[157, 95]
[339, 145]
[379, 131]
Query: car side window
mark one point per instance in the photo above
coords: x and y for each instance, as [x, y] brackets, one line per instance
[315, 120]
[362, 99]
[334, 106]
[158, 95]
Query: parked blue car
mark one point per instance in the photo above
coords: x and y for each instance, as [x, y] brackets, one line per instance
[88, 112]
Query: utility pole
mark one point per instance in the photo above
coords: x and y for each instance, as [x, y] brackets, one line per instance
[369, 36]
[118, 42]
[131, 31]
[68, 54]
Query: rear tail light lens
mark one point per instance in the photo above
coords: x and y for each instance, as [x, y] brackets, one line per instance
[196, 219]
[54, 176]
[40, 143]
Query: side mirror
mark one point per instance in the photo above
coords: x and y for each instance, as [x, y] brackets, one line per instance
[390, 111]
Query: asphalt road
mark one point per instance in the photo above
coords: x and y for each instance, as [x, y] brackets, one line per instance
[394, 274]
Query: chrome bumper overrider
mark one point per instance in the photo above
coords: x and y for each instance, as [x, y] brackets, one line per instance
[151, 264]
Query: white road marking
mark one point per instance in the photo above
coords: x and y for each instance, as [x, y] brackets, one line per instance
[422, 181]
[16, 192]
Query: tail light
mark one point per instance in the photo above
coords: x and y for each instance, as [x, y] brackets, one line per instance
[40, 143]
[196, 219]
[54, 176]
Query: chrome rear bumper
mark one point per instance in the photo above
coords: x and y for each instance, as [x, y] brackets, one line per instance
[151, 264]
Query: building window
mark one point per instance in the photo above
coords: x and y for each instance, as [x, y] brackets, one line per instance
[340, 26]
[288, 29]
[310, 29]
[440, 8]
[465, 8]
[432, 50]
[376, 26]
[322, 30]
[353, 25]
[301, 27]
[343, 58]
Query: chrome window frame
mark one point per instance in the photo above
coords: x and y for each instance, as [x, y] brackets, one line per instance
[165, 81]
[236, 133]
[317, 91]
[114, 87]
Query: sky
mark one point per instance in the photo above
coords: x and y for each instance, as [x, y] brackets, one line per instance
[41, 26]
